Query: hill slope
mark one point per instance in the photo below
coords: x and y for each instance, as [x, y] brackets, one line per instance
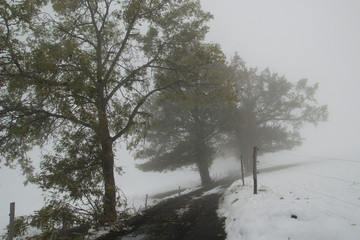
[298, 198]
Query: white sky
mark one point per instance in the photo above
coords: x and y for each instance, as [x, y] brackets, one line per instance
[314, 39]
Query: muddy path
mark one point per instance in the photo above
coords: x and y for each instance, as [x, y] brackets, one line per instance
[187, 217]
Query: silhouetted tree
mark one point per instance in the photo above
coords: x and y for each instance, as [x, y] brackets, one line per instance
[272, 110]
[187, 124]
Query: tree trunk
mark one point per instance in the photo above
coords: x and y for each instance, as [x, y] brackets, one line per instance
[204, 172]
[109, 201]
[107, 160]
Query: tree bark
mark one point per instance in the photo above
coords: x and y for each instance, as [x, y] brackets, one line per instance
[203, 168]
[107, 160]
[109, 200]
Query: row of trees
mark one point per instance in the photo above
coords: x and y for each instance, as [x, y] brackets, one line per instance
[227, 106]
[89, 74]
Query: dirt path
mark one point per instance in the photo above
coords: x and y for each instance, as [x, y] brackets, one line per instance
[188, 217]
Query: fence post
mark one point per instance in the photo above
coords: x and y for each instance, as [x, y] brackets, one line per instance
[146, 201]
[12, 221]
[255, 169]
[242, 169]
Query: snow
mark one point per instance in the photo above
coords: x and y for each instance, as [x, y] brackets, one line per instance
[298, 198]
[96, 233]
[182, 211]
[186, 191]
[217, 190]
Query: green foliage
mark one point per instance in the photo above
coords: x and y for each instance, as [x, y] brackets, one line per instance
[91, 73]
[187, 124]
[21, 12]
[46, 220]
[57, 214]
[21, 226]
[272, 110]
[77, 83]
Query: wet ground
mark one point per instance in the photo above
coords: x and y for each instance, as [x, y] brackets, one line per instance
[187, 217]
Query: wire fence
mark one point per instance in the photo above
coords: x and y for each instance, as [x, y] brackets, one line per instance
[316, 174]
[321, 157]
[314, 191]
[326, 195]
[328, 211]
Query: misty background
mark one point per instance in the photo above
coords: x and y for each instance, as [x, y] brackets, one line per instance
[317, 40]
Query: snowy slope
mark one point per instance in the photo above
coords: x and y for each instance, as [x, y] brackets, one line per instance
[298, 198]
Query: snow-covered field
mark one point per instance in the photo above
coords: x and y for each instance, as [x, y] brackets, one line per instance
[298, 198]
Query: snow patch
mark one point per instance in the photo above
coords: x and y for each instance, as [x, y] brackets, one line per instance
[180, 212]
[217, 190]
[306, 201]
[94, 234]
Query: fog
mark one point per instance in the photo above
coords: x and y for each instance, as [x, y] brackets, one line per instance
[317, 40]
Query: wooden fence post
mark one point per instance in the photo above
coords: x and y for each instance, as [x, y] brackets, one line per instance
[12, 221]
[255, 169]
[146, 201]
[242, 169]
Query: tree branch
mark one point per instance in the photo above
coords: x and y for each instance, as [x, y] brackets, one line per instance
[61, 28]
[122, 47]
[128, 79]
[24, 112]
[135, 111]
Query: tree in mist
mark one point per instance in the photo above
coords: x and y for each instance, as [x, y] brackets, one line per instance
[75, 79]
[272, 110]
[187, 125]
